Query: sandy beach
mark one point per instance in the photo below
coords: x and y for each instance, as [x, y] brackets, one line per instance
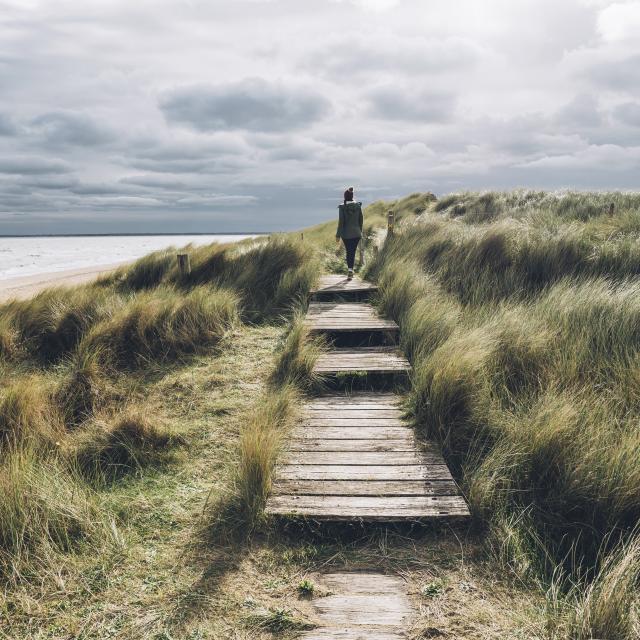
[27, 286]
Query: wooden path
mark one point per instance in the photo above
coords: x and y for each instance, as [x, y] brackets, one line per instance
[353, 457]
[362, 606]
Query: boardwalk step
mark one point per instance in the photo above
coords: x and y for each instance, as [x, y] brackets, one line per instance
[344, 462]
[361, 606]
[362, 359]
[339, 284]
[346, 317]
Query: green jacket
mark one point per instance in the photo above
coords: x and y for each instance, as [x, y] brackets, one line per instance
[349, 220]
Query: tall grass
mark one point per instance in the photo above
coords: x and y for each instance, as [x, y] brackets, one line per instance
[297, 356]
[260, 443]
[520, 315]
[163, 324]
[45, 511]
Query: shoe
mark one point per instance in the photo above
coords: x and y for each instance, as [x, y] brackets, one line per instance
[350, 275]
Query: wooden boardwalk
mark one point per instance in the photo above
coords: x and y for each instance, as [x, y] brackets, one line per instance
[361, 606]
[354, 457]
[346, 316]
[334, 286]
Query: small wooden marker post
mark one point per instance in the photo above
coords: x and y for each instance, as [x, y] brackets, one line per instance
[391, 218]
[361, 248]
[612, 208]
[184, 264]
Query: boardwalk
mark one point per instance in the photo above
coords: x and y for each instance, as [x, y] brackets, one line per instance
[362, 606]
[353, 456]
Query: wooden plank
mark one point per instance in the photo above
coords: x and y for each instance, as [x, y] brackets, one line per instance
[364, 472]
[362, 583]
[339, 283]
[348, 633]
[352, 413]
[382, 610]
[353, 422]
[380, 359]
[366, 487]
[368, 507]
[361, 607]
[319, 444]
[352, 433]
[360, 458]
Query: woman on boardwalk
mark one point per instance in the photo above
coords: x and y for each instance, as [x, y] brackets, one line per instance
[350, 227]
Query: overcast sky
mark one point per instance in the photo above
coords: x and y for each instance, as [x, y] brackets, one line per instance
[235, 115]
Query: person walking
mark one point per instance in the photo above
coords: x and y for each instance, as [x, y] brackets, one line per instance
[350, 227]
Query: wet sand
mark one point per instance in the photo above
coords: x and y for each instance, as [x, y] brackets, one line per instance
[27, 286]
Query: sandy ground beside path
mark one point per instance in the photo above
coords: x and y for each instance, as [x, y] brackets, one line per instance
[27, 286]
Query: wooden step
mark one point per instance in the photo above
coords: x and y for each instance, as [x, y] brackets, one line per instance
[362, 360]
[361, 606]
[348, 461]
[335, 317]
[337, 284]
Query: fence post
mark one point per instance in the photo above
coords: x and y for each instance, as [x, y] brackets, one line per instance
[184, 263]
[391, 218]
[361, 251]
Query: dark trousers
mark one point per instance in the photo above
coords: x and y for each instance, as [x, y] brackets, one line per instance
[351, 244]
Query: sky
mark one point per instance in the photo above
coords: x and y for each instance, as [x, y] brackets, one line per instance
[254, 115]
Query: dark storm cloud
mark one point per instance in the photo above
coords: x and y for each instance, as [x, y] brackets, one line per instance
[396, 103]
[32, 166]
[65, 128]
[252, 104]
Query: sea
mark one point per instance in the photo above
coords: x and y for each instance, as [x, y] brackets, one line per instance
[34, 255]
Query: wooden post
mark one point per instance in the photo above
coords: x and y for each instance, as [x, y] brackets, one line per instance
[361, 251]
[391, 218]
[611, 209]
[302, 236]
[184, 264]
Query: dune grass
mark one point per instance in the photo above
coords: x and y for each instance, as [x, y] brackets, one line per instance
[519, 313]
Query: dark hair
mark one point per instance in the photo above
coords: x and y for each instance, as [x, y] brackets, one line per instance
[348, 195]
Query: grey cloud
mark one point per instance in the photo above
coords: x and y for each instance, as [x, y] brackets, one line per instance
[32, 166]
[628, 113]
[394, 103]
[621, 75]
[7, 126]
[61, 128]
[356, 55]
[155, 182]
[253, 104]
[583, 111]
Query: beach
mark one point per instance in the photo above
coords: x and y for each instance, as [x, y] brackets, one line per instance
[24, 287]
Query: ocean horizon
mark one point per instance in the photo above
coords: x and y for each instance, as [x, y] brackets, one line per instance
[29, 255]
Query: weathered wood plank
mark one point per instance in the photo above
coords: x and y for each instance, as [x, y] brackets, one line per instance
[319, 444]
[369, 506]
[365, 472]
[349, 633]
[351, 433]
[339, 283]
[319, 414]
[353, 422]
[363, 583]
[366, 487]
[382, 610]
[360, 458]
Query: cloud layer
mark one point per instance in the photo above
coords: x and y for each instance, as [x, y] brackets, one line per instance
[216, 116]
